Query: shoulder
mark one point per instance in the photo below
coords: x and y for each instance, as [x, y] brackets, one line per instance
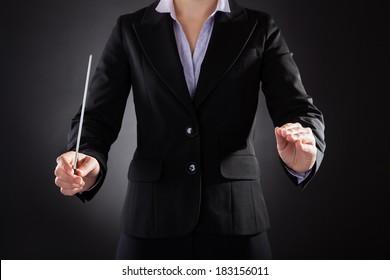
[130, 18]
[265, 21]
[262, 17]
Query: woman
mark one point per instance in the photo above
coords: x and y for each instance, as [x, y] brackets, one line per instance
[195, 67]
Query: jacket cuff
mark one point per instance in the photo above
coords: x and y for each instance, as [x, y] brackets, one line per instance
[102, 160]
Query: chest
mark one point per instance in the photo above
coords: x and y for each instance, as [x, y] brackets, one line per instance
[192, 29]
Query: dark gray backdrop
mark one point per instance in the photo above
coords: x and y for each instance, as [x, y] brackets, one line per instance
[342, 50]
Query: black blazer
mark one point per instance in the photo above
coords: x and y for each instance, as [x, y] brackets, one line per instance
[195, 166]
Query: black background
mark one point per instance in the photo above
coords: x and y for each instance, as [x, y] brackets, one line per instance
[342, 50]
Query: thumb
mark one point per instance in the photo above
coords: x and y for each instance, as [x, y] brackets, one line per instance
[281, 142]
[88, 165]
[306, 148]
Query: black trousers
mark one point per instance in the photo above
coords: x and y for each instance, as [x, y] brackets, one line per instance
[195, 246]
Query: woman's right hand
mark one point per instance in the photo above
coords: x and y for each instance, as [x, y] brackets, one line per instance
[87, 172]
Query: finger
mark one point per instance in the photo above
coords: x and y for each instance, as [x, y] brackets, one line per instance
[296, 131]
[280, 140]
[306, 138]
[302, 130]
[291, 125]
[65, 162]
[65, 176]
[285, 131]
[304, 134]
[68, 185]
[69, 192]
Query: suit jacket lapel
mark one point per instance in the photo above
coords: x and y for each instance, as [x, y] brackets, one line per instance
[230, 35]
[157, 39]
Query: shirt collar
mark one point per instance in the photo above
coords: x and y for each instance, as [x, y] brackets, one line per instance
[166, 6]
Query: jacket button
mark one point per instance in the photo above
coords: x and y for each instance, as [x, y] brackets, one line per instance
[190, 131]
[191, 168]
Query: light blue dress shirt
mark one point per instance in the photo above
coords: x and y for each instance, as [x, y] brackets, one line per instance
[192, 62]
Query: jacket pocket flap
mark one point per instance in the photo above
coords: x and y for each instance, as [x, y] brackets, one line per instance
[240, 167]
[145, 170]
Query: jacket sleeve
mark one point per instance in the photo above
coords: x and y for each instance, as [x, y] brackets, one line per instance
[286, 98]
[106, 102]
